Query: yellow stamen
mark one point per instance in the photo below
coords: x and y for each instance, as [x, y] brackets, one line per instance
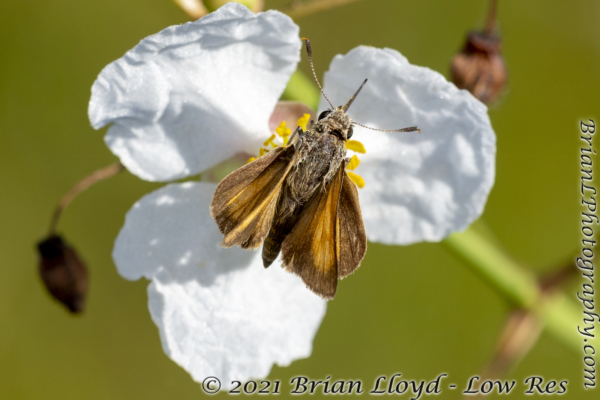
[262, 152]
[303, 121]
[356, 146]
[284, 132]
[354, 162]
[357, 179]
[251, 159]
[269, 140]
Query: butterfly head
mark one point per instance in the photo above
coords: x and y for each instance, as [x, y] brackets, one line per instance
[338, 121]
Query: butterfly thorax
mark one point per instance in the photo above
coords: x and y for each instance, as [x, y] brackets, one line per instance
[320, 149]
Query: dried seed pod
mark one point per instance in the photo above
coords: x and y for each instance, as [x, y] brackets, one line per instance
[63, 272]
[479, 67]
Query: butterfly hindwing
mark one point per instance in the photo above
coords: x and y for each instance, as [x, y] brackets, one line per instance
[351, 239]
[309, 250]
[244, 202]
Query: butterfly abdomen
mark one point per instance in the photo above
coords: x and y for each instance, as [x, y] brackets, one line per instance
[287, 213]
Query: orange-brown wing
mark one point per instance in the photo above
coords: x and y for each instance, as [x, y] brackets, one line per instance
[244, 202]
[309, 250]
[351, 239]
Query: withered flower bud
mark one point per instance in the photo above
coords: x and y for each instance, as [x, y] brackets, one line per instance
[63, 273]
[479, 67]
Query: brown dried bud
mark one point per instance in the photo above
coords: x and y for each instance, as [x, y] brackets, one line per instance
[63, 273]
[479, 67]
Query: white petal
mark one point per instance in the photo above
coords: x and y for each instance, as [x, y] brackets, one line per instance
[193, 95]
[172, 228]
[418, 187]
[240, 325]
[219, 312]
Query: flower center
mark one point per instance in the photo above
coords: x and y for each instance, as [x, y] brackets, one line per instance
[284, 133]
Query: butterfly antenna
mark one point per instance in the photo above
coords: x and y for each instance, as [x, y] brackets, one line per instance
[309, 51]
[409, 129]
[349, 103]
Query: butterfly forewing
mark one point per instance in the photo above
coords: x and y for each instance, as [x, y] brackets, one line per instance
[244, 202]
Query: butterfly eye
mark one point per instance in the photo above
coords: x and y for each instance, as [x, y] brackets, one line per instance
[338, 133]
[350, 132]
[324, 114]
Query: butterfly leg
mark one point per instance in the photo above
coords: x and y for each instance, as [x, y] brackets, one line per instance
[298, 131]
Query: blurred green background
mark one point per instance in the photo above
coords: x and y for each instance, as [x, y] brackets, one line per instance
[414, 310]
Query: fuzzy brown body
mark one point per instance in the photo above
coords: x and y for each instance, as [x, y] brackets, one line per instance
[321, 150]
[320, 153]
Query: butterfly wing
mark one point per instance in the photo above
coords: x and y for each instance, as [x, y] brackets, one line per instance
[351, 239]
[329, 240]
[244, 202]
[309, 250]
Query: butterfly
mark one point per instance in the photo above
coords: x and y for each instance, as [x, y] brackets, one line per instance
[298, 200]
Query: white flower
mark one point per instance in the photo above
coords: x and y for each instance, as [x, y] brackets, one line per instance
[194, 95]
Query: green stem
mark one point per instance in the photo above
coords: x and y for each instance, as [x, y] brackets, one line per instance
[495, 267]
[562, 316]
